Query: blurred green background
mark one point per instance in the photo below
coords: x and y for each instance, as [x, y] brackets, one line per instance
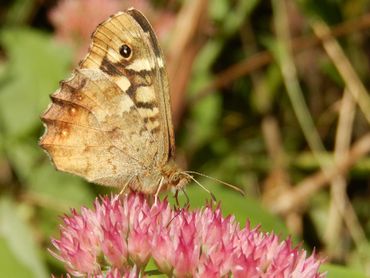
[270, 96]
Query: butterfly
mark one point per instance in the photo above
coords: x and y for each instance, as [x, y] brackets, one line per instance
[110, 122]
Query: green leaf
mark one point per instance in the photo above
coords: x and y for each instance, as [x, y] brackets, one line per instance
[231, 16]
[23, 154]
[35, 65]
[203, 63]
[61, 189]
[336, 271]
[219, 9]
[17, 236]
[237, 18]
[20, 11]
[9, 264]
[205, 114]
[267, 89]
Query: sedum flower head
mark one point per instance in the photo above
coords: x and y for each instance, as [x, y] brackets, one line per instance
[119, 236]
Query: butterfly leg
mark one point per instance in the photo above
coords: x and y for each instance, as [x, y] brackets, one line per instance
[176, 196]
[187, 204]
[124, 187]
[177, 214]
[158, 190]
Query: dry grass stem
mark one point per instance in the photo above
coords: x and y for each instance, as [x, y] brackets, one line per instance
[337, 210]
[301, 193]
[344, 67]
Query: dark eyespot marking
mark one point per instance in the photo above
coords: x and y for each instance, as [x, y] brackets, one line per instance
[125, 51]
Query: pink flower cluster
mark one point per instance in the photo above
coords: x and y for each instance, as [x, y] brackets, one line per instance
[118, 237]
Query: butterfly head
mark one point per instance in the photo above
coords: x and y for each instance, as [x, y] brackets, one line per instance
[175, 176]
[178, 180]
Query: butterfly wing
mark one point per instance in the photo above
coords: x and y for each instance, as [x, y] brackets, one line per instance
[143, 76]
[111, 121]
[93, 130]
[167, 136]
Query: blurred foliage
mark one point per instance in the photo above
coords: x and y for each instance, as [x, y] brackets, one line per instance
[222, 134]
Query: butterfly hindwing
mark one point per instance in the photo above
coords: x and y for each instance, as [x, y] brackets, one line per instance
[95, 131]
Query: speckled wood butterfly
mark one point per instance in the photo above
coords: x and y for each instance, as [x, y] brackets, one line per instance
[110, 122]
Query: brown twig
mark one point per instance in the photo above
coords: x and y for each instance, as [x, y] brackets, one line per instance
[278, 180]
[263, 58]
[288, 69]
[355, 92]
[302, 192]
[343, 65]
[338, 187]
[185, 44]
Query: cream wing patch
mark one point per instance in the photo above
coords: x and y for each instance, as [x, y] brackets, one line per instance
[145, 94]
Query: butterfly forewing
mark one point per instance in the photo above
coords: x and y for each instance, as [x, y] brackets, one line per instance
[161, 86]
[142, 77]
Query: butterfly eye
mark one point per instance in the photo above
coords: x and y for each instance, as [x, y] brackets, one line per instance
[175, 179]
[125, 51]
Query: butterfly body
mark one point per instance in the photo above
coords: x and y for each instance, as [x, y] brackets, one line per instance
[110, 122]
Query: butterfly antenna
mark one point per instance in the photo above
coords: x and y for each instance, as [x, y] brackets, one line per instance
[198, 183]
[220, 181]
